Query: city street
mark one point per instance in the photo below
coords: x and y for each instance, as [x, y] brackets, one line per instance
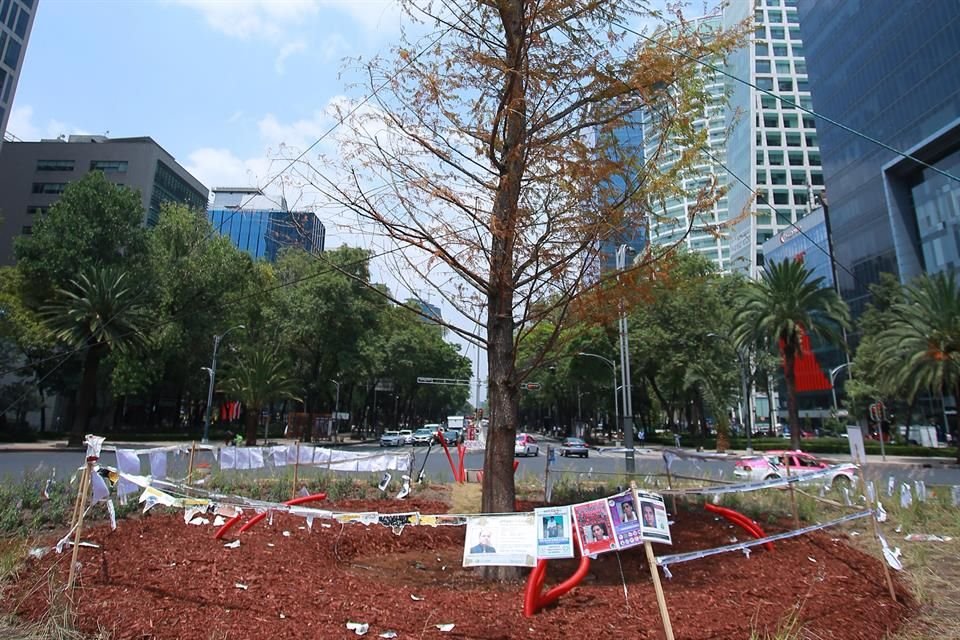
[14, 463]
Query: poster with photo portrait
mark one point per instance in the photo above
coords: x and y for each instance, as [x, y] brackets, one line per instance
[626, 520]
[594, 527]
[654, 523]
[554, 532]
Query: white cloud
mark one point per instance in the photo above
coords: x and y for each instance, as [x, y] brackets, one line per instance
[250, 18]
[22, 125]
[221, 168]
[297, 46]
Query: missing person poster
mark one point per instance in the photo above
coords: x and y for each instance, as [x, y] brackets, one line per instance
[857, 451]
[554, 532]
[594, 527]
[626, 524]
[654, 525]
[502, 540]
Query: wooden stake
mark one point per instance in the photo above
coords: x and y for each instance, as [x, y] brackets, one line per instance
[84, 486]
[654, 573]
[296, 472]
[876, 534]
[673, 496]
[193, 451]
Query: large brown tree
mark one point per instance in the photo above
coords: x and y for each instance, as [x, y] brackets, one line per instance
[490, 157]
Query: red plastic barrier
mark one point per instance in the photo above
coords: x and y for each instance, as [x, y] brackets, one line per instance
[745, 523]
[446, 450]
[260, 516]
[533, 601]
[222, 531]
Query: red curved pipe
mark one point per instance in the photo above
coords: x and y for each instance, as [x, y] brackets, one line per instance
[533, 601]
[260, 516]
[737, 518]
[222, 531]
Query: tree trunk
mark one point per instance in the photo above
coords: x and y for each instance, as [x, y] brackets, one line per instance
[86, 395]
[789, 359]
[250, 425]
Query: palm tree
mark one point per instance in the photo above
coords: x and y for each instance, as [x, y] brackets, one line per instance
[923, 338]
[258, 378]
[786, 302]
[100, 311]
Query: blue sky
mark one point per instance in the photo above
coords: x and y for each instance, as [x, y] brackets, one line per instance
[218, 83]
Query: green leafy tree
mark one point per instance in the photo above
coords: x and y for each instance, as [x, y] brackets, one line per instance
[196, 284]
[923, 337]
[325, 312]
[98, 313]
[258, 377]
[786, 302]
[94, 223]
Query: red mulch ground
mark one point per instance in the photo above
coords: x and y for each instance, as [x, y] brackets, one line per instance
[156, 578]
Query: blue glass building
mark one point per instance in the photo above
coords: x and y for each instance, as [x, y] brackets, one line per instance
[261, 227]
[629, 145]
[891, 72]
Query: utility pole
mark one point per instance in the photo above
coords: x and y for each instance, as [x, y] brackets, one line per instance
[625, 369]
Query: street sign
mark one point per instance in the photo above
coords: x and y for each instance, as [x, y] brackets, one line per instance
[384, 385]
[531, 386]
[343, 415]
[453, 381]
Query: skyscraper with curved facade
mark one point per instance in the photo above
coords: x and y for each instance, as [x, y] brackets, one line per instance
[16, 22]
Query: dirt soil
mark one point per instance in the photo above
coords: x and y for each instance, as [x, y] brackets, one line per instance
[157, 578]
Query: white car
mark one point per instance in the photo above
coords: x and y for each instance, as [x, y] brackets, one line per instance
[526, 445]
[406, 436]
[391, 439]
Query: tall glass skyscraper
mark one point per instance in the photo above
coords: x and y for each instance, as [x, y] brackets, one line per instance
[893, 75]
[262, 227]
[16, 21]
[680, 220]
[773, 147]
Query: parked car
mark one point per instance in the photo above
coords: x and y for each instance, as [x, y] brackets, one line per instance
[407, 436]
[772, 464]
[574, 447]
[526, 445]
[391, 439]
[424, 435]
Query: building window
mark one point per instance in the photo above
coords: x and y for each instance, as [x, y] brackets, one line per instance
[793, 139]
[34, 210]
[800, 197]
[762, 49]
[763, 66]
[778, 177]
[49, 188]
[26, 229]
[781, 197]
[785, 85]
[22, 20]
[783, 67]
[777, 33]
[4, 6]
[771, 121]
[55, 165]
[13, 54]
[798, 178]
[780, 50]
[774, 139]
[765, 84]
[109, 166]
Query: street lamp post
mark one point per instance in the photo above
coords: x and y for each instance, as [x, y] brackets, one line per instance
[212, 371]
[833, 389]
[336, 412]
[613, 366]
[625, 369]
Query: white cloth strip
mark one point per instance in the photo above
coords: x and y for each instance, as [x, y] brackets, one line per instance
[696, 555]
[753, 486]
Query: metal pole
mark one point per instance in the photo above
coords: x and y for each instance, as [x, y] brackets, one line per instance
[746, 417]
[613, 367]
[213, 377]
[625, 371]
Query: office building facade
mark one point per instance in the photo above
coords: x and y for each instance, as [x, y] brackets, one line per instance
[892, 75]
[773, 146]
[16, 22]
[683, 221]
[34, 174]
[262, 226]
